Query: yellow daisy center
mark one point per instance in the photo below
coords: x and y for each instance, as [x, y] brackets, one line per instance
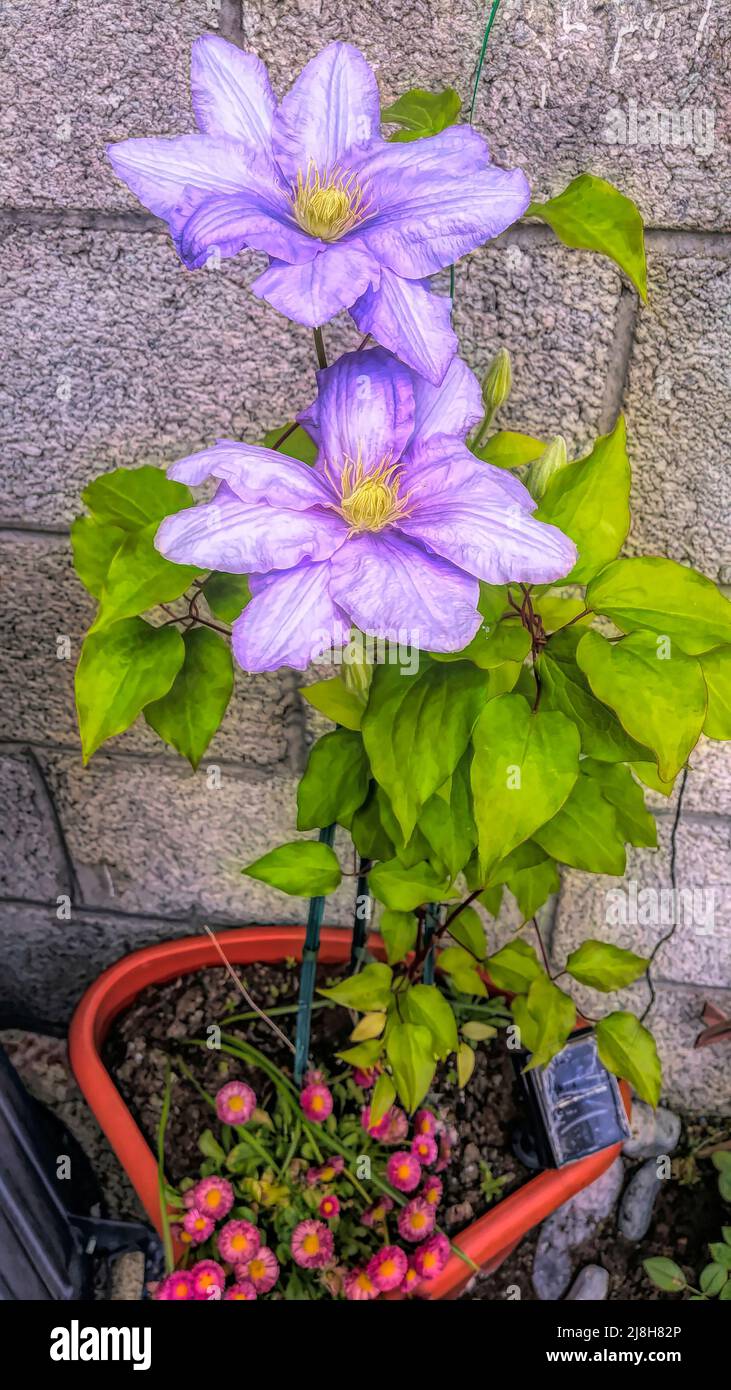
[429, 1260]
[364, 1281]
[316, 1103]
[239, 1242]
[327, 203]
[418, 1220]
[235, 1103]
[387, 1269]
[369, 501]
[181, 1290]
[257, 1269]
[311, 1244]
[213, 1197]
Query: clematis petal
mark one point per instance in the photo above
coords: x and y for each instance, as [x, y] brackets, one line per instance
[164, 172]
[231, 93]
[441, 466]
[428, 220]
[414, 323]
[255, 474]
[242, 537]
[451, 408]
[315, 292]
[477, 517]
[290, 621]
[458, 145]
[394, 589]
[364, 410]
[332, 105]
[257, 216]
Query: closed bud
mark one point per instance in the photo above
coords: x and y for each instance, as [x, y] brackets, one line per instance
[498, 382]
[357, 669]
[539, 474]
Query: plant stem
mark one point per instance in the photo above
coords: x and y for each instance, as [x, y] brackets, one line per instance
[167, 1239]
[244, 991]
[320, 348]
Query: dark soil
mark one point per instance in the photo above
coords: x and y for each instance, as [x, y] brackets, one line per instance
[687, 1215]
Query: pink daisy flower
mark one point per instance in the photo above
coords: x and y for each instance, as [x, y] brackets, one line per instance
[387, 1268]
[262, 1270]
[425, 1122]
[411, 1278]
[234, 1103]
[243, 1291]
[178, 1287]
[425, 1148]
[376, 1214]
[238, 1241]
[391, 1129]
[317, 1102]
[432, 1190]
[329, 1208]
[416, 1220]
[403, 1171]
[325, 1172]
[312, 1245]
[198, 1226]
[189, 1198]
[431, 1257]
[207, 1277]
[364, 1079]
[359, 1285]
[214, 1196]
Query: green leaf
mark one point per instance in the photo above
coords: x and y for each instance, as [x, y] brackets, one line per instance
[584, 833]
[533, 884]
[524, 766]
[467, 930]
[131, 498]
[416, 729]
[493, 646]
[721, 1254]
[478, 1032]
[139, 577]
[384, 1095]
[726, 1233]
[545, 1016]
[465, 1064]
[564, 687]
[557, 612]
[725, 1294]
[364, 1054]
[398, 930]
[367, 832]
[712, 1279]
[411, 852]
[665, 1274]
[649, 775]
[507, 449]
[657, 692]
[592, 215]
[635, 823]
[210, 1147]
[94, 547]
[227, 595]
[589, 501]
[335, 781]
[333, 699]
[721, 1160]
[191, 712]
[119, 672]
[447, 822]
[462, 970]
[409, 1051]
[605, 967]
[425, 1004]
[404, 889]
[716, 668]
[628, 1049]
[422, 113]
[514, 967]
[368, 990]
[304, 868]
[297, 445]
[670, 599]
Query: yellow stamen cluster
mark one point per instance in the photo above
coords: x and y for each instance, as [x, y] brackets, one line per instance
[327, 204]
[370, 500]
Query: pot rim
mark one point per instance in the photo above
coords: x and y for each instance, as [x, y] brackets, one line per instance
[486, 1241]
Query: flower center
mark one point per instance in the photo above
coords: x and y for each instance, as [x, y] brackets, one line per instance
[311, 1245]
[370, 501]
[327, 204]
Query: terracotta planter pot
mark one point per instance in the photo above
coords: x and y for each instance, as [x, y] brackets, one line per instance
[487, 1241]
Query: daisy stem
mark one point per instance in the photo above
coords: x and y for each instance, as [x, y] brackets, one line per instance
[320, 348]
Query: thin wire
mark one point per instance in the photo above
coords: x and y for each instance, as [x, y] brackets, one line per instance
[243, 990]
[478, 74]
[674, 882]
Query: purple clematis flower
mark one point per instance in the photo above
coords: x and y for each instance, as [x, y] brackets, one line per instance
[348, 220]
[390, 530]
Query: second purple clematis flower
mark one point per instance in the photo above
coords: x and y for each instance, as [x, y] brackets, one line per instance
[390, 531]
[348, 220]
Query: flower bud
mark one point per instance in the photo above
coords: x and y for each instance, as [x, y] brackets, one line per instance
[357, 670]
[540, 473]
[497, 384]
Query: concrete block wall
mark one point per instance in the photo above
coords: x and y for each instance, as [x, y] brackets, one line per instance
[111, 353]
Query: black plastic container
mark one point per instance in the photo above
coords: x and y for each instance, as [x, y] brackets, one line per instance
[575, 1106]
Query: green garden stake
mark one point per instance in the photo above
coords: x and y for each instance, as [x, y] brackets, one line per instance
[308, 973]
